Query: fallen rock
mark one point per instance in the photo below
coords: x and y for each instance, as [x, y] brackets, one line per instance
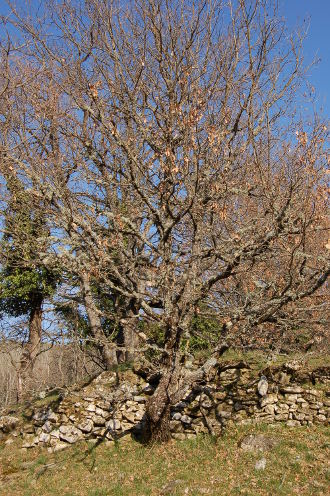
[59, 446]
[260, 464]
[170, 487]
[256, 442]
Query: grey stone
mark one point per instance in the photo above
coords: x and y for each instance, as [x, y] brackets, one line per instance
[44, 437]
[139, 399]
[47, 427]
[30, 442]
[299, 416]
[91, 408]
[98, 420]
[268, 399]
[224, 414]
[256, 442]
[169, 487]
[185, 419]
[176, 426]
[291, 398]
[260, 464]
[263, 386]
[179, 435]
[86, 426]
[284, 378]
[281, 416]
[177, 416]
[139, 415]
[59, 446]
[292, 389]
[129, 416]
[270, 409]
[69, 433]
[52, 417]
[55, 434]
[293, 423]
[113, 425]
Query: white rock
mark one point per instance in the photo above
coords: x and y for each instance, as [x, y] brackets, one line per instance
[113, 425]
[47, 427]
[59, 446]
[139, 399]
[44, 437]
[185, 419]
[70, 434]
[177, 416]
[55, 434]
[292, 423]
[263, 386]
[261, 464]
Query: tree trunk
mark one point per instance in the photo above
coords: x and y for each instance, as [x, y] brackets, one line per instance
[31, 349]
[158, 412]
[128, 337]
[107, 349]
[159, 406]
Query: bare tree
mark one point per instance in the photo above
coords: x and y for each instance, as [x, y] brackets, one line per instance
[176, 167]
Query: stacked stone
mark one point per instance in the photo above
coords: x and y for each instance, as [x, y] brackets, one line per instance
[114, 405]
[233, 398]
[102, 410]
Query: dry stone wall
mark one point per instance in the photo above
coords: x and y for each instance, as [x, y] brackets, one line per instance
[113, 405]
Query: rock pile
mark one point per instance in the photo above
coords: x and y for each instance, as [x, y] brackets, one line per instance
[114, 405]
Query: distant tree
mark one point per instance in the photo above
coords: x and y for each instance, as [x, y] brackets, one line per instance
[185, 113]
[24, 283]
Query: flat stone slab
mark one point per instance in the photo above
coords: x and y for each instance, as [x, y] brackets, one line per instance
[257, 442]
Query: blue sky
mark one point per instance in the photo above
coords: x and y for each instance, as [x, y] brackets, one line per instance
[317, 43]
[316, 14]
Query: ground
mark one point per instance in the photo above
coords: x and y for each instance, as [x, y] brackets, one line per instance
[298, 464]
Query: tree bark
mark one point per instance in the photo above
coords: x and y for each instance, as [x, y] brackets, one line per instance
[158, 412]
[107, 350]
[31, 349]
[128, 337]
[158, 409]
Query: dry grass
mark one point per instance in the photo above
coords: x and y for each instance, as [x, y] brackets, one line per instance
[259, 360]
[297, 465]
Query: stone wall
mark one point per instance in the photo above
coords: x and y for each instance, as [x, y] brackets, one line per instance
[113, 404]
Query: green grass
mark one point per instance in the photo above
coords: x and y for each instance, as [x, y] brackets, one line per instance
[298, 464]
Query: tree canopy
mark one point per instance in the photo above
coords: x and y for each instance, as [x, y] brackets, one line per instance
[165, 144]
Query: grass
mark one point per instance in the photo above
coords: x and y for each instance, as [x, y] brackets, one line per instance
[297, 465]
